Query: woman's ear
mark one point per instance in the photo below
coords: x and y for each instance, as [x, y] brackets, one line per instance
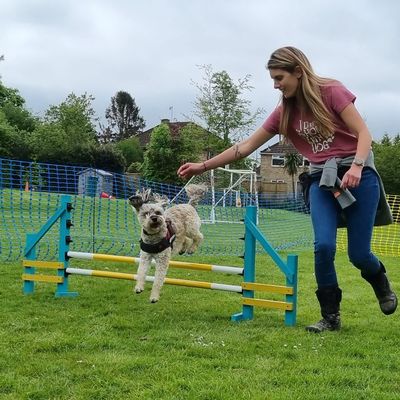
[298, 73]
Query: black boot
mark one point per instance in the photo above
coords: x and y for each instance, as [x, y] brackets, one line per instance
[329, 299]
[385, 295]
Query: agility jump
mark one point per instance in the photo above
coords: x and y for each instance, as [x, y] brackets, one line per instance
[247, 288]
[173, 264]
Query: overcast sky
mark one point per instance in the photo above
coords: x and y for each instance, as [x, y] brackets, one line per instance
[152, 49]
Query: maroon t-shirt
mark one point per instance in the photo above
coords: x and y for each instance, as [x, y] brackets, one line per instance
[304, 134]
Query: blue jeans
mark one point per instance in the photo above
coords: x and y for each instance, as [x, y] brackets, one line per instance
[360, 217]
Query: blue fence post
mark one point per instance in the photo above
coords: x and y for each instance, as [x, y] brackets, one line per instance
[290, 315]
[249, 273]
[30, 254]
[63, 247]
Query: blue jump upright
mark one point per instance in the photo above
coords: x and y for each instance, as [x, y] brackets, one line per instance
[63, 215]
[289, 269]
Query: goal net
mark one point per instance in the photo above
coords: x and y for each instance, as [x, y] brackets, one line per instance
[229, 190]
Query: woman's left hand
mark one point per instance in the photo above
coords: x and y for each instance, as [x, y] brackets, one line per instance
[351, 179]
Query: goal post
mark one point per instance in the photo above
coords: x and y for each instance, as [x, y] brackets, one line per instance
[235, 188]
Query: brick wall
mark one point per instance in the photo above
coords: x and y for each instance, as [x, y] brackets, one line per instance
[269, 173]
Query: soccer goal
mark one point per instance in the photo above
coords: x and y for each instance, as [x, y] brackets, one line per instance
[228, 189]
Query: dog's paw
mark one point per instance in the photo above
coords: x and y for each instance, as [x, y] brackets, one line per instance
[138, 289]
[154, 299]
[154, 296]
[192, 250]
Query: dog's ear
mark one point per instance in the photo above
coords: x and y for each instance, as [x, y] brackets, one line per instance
[147, 196]
[136, 201]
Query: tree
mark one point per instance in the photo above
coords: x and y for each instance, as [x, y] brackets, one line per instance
[1, 59]
[292, 162]
[67, 133]
[16, 124]
[109, 158]
[8, 135]
[221, 107]
[190, 143]
[131, 150]
[385, 141]
[35, 176]
[76, 117]
[396, 140]
[19, 117]
[123, 119]
[50, 143]
[387, 161]
[10, 96]
[160, 160]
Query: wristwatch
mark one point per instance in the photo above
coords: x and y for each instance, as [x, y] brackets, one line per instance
[359, 162]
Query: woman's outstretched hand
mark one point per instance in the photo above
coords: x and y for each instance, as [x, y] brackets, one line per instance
[189, 169]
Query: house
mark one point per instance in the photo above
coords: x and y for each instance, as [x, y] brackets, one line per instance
[213, 143]
[93, 182]
[273, 176]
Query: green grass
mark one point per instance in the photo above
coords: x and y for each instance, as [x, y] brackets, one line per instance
[109, 343]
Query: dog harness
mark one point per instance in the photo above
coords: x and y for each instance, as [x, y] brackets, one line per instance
[167, 241]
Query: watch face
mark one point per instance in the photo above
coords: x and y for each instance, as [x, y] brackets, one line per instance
[358, 162]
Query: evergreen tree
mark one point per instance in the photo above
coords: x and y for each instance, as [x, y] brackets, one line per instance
[385, 141]
[396, 140]
[123, 119]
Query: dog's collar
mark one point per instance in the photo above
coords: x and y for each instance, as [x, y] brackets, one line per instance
[149, 234]
[164, 243]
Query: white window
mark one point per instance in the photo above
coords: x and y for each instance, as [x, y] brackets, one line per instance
[278, 161]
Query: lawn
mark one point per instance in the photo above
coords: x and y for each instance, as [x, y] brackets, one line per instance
[109, 343]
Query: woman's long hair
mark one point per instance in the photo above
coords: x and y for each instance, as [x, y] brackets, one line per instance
[288, 58]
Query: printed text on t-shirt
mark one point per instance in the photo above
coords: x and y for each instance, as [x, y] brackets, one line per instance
[310, 132]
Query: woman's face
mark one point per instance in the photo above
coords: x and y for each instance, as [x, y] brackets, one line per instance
[285, 81]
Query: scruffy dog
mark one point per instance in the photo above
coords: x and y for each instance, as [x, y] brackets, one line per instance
[165, 232]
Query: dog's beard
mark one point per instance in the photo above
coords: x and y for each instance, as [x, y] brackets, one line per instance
[154, 227]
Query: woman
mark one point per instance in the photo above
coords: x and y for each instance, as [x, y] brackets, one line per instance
[319, 117]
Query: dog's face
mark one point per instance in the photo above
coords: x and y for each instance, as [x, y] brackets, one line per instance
[151, 218]
[150, 210]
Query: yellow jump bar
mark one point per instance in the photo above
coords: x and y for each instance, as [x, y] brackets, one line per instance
[43, 278]
[281, 305]
[174, 264]
[43, 264]
[261, 287]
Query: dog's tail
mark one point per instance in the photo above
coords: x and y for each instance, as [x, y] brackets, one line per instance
[195, 193]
